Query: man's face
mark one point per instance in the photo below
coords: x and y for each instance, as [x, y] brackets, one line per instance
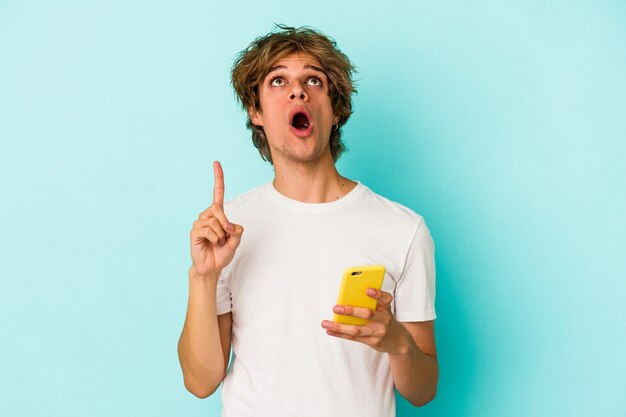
[296, 113]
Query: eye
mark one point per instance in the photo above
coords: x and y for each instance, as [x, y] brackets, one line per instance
[314, 81]
[277, 81]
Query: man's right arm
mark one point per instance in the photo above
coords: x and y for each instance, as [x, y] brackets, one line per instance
[204, 345]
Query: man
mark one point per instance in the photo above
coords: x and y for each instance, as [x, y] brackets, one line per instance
[268, 290]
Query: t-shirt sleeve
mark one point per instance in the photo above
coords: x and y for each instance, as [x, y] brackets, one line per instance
[223, 299]
[415, 292]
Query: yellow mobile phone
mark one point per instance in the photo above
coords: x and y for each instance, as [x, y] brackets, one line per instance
[356, 281]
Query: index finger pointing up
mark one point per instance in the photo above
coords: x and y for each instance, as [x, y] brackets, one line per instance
[218, 187]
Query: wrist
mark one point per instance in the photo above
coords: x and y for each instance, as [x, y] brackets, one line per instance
[210, 277]
[404, 344]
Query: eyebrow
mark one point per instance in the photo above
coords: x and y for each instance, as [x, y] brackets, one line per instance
[307, 66]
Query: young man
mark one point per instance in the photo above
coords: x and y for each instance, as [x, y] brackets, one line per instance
[270, 290]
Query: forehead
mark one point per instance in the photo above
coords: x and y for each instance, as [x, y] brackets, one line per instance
[296, 61]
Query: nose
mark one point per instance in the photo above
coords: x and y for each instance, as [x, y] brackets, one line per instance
[297, 92]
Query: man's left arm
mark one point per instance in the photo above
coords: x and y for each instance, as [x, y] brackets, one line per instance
[410, 346]
[415, 369]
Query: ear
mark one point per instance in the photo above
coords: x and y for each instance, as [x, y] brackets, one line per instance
[335, 120]
[255, 116]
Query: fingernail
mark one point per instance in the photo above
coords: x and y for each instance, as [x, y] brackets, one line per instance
[371, 291]
[338, 310]
[229, 227]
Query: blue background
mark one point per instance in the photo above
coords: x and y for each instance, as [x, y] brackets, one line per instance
[502, 123]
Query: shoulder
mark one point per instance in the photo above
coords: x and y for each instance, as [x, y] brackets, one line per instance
[390, 210]
[247, 206]
[244, 201]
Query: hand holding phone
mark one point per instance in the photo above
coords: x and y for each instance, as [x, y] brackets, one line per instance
[356, 280]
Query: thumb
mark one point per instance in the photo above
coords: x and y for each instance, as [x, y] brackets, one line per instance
[235, 231]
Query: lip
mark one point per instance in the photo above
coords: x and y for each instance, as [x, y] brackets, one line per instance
[301, 133]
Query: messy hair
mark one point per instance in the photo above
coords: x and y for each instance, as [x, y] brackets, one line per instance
[252, 65]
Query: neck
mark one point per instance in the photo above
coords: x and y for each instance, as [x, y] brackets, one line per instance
[318, 182]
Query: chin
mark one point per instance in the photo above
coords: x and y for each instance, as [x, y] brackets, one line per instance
[309, 157]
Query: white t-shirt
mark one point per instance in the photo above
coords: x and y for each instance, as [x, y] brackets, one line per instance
[284, 280]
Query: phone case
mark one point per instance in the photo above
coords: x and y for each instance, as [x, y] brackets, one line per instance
[356, 281]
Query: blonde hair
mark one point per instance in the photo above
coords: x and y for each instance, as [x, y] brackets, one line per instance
[254, 63]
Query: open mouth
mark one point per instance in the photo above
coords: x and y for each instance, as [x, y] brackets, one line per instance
[300, 121]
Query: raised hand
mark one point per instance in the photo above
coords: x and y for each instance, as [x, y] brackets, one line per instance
[214, 239]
